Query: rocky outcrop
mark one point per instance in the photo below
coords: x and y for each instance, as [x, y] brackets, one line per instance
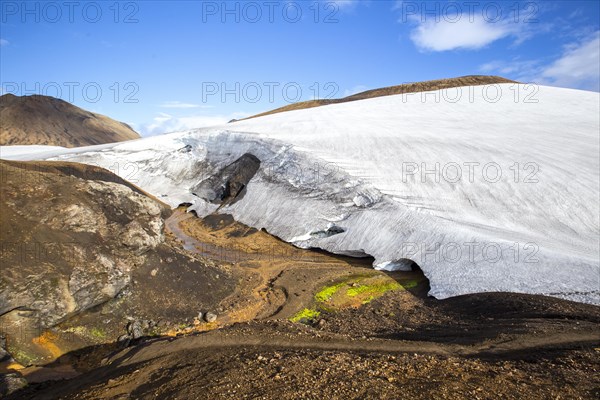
[11, 383]
[78, 248]
[82, 253]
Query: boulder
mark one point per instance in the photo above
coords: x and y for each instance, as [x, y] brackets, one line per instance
[210, 317]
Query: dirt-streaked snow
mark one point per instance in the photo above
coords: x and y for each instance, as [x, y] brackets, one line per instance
[483, 192]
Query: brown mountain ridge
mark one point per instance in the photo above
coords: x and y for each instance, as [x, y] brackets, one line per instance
[438, 84]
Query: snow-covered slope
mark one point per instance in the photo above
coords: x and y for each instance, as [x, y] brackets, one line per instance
[483, 192]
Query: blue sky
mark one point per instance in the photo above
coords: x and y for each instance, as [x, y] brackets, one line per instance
[164, 66]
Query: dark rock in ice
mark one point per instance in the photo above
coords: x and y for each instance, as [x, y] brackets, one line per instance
[227, 185]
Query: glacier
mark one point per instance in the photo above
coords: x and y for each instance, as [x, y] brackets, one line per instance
[483, 192]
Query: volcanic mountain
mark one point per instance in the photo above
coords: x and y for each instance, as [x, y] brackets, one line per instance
[50, 121]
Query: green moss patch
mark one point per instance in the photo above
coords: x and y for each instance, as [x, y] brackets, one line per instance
[306, 315]
[23, 357]
[98, 333]
[351, 292]
[326, 293]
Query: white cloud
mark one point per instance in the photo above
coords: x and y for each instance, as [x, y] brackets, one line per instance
[164, 123]
[354, 90]
[462, 32]
[576, 13]
[517, 69]
[343, 4]
[178, 104]
[4, 42]
[578, 67]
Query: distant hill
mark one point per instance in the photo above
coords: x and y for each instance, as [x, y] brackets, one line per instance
[469, 80]
[45, 120]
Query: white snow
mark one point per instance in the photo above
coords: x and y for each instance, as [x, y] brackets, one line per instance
[410, 178]
[14, 152]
